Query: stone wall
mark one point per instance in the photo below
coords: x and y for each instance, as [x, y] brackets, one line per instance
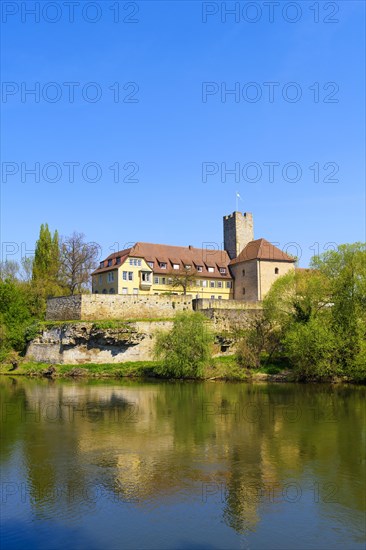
[96, 307]
[64, 308]
[78, 343]
[230, 320]
[201, 304]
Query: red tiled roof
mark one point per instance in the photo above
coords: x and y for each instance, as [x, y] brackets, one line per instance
[123, 254]
[261, 249]
[182, 255]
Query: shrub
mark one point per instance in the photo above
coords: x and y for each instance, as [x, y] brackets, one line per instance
[186, 348]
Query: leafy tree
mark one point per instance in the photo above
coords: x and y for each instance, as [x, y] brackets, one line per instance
[186, 348]
[319, 315]
[78, 259]
[46, 263]
[9, 270]
[15, 316]
[183, 279]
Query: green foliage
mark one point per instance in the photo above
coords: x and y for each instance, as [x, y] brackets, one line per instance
[319, 315]
[15, 316]
[186, 349]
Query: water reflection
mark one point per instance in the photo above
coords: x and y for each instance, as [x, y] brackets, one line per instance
[235, 457]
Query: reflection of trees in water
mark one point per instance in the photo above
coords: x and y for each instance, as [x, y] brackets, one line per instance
[141, 443]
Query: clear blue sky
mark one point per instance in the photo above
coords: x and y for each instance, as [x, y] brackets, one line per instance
[170, 131]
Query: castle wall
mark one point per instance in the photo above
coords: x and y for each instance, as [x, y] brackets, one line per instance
[115, 306]
[245, 278]
[238, 232]
[267, 274]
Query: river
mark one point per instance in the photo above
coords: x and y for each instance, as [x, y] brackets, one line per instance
[190, 465]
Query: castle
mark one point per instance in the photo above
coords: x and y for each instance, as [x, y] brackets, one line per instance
[244, 270]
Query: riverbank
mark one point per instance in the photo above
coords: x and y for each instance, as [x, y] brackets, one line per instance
[220, 369]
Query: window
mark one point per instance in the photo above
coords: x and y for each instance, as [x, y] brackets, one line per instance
[109, 263]
[212, 297]
[124, 290]
[156, 280]
[100, 279]
[124, 275]
[243, 291]
[204, 283]
[162, 265]
[139, 263]
[220, 297]
[223, 270]
[175, 266]
[229, 284]
[110, 277]
[199, 269]
[163, 280]
[135, 290]
[130, 275]
[131, 261]
[101, 264]
[145, 277]
[187, 267]
[170, 280]
[118, 260]
[277, 271]
[198, 283]
[243, 272]
[212, 284]
[211, 269]
[150, 264]
[219, 284]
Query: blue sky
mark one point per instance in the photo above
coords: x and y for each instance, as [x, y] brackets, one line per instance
[168, 127]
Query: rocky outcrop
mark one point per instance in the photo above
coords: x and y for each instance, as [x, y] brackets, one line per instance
[78, 343]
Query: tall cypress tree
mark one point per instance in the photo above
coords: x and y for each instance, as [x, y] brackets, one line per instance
[46, 263]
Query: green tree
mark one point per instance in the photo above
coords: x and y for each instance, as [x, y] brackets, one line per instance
[319, 315]
[186, 348]
[15, 316]
[46, 264]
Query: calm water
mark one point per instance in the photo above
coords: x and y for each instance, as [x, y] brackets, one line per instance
[181, 465]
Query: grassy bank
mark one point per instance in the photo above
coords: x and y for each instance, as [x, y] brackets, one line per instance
[220, 368]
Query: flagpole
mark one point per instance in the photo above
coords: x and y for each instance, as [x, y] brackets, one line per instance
[236, 195]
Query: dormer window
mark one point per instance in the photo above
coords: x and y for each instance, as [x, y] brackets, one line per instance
[150, 264]
[211, 269]
[162, 265]
[118, 260]
[187, 267]
[101, 265]
[175, 266]
[199, 268]
[223, 270]
[109, 263]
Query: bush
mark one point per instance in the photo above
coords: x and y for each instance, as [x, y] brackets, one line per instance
[186, 348]
[247, 355]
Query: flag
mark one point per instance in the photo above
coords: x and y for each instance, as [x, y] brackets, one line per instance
[238, 196]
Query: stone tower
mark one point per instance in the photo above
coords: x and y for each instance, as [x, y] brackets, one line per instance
[238, 232]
